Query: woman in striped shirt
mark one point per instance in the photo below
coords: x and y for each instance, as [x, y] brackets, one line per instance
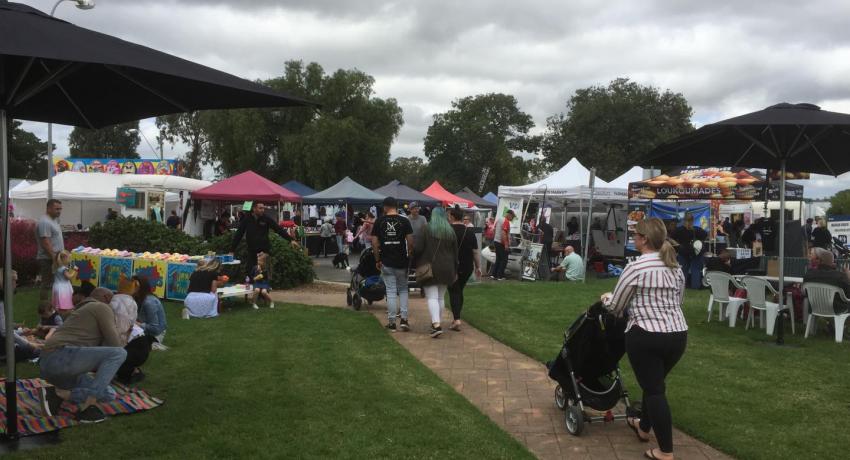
[651, 289]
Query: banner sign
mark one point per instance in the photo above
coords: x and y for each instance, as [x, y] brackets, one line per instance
[514, 204]
[111, 269]
[839, 227]
[698, 184]
[118, 166]
[126, 196]
[88, 268]
[154, 271]
[789, 175]
[177, 281]
[637, 212]
[532, 261]
[701, 213]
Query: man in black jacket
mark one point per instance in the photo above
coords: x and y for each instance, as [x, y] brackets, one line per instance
[827, 273]
[255, 227]
[691, 255]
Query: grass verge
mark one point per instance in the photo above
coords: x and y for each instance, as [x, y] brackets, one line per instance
[733, 389]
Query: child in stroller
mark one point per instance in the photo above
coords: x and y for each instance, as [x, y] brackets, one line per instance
[587, 371]
[366, 282]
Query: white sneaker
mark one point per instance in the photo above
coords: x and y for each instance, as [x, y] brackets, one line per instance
[185, 314]
[255, 307]
[271, 305]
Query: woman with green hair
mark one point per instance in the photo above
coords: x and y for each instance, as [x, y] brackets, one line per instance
[437, 250]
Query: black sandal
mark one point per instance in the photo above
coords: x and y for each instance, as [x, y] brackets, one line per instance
[637, 430]
[650, 454]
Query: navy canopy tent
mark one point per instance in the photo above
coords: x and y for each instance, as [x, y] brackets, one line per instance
[473, 197]
[346, 191]
[405, 194]
[298, 187]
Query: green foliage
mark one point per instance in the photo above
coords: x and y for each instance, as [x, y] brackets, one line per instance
[290, 266]
[140, 235]
[111, 142]
[839, 204]
[350, 135]
[27, 154]
[411, 171]
[608, 127]
[187, 128]
[488, 130]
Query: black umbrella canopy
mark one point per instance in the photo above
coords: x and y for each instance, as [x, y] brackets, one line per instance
[804, 136]
[54, 71]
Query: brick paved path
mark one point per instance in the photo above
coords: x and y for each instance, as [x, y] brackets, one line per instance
[511, 388]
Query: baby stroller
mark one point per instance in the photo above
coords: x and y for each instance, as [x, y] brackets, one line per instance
[366, 282]
[587, 372]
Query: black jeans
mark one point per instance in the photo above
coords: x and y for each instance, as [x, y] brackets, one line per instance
[325, 241]
[653, 355]
[501, 260]
[456, 293]
[138, 351]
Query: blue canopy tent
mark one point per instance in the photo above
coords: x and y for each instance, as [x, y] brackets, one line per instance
[298, 187]
[491, 197]
[346, 191]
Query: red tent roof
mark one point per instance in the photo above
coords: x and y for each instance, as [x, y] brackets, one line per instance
[437, 192]
[247, 186]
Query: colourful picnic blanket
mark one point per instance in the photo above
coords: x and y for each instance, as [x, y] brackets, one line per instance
[31, 419]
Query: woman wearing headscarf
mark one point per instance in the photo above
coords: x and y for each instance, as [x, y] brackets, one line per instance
[436, 267]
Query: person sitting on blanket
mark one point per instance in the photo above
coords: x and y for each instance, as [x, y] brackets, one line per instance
[88, 340]
[151, 313]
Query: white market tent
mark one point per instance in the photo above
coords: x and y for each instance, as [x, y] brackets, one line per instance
[571, 182]
[86, 197]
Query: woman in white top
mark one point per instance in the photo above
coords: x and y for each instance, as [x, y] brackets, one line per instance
[651, 290]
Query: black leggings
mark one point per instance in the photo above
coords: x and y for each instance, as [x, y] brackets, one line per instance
[137, 353]
[456, 293]
[653, 355]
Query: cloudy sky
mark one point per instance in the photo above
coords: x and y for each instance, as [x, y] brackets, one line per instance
[727, 57]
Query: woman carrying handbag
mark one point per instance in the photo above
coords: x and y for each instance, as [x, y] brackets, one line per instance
[436, 266]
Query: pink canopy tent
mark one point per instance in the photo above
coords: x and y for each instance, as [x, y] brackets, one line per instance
[247, 186]
[437, 192]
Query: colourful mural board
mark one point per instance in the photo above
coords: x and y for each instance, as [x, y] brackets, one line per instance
[154, 271]
[118, 166]
[177, 282]
[88, 268]
[111, 269]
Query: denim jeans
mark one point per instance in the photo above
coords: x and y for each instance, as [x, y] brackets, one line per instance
[395, 279]
[339, 244]
[68, 368]
[692, 269]
[501, 261]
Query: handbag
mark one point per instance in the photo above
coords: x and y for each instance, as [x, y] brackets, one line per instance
[424, 272]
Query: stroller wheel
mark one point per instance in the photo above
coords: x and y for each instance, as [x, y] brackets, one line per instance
[574, 420]
[560, 398]
[348, 297]
[357, 301]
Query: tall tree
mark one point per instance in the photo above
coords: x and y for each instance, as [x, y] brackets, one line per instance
[411, 171]
[27, 154]
[350, 135]
[478, 132]
[608, 127]
[116, 141]
[189, 129]
[839, 204]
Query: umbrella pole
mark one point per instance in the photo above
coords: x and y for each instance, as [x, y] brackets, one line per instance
[589, 220]
[780, 319]
[11, 382]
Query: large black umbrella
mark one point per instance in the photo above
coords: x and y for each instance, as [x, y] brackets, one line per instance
[54, 71]
[783, 137]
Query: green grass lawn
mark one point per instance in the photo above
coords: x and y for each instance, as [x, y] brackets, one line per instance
[297, 381]
[732, 389]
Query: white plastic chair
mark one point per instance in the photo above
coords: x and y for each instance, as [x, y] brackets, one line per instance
[719, 283]
[756, 289]
[821, 297]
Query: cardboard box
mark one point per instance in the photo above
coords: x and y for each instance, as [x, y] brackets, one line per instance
[758, 249]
